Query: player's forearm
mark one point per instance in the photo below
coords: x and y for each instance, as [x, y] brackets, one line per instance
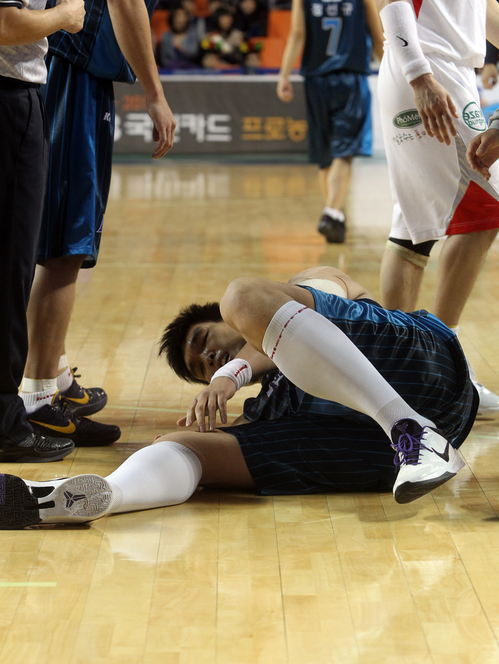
[133, 33]
[292, 51]
[25, 26]
[493, 22]
[375, 27]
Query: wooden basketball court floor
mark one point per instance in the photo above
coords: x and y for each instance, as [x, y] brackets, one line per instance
[234, 578]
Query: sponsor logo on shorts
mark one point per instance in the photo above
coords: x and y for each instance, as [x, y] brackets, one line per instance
[410, 118]
[107, 117]
[473, 117]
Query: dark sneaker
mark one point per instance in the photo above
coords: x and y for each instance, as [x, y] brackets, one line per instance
[58, 421]
[333, 229]
[71, 500]
[84, 400]
[35, 449]
[425, 459]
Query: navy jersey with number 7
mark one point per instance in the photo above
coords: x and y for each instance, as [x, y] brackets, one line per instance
[337, 37]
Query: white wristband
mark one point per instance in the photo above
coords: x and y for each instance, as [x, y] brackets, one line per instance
[237, 370]
[399, 25]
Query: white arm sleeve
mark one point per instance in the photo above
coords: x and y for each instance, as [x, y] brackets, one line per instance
[399, 25]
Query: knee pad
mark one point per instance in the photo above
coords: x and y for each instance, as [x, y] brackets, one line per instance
[417, 254]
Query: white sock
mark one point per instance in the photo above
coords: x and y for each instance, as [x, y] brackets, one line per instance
[165, 473]
[64, 379]
[321, 360]
[334, 213]
[36, 393]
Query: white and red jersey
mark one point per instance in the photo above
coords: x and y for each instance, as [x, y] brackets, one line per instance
[453, 29]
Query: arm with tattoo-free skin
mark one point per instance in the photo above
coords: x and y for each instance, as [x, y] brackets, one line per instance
[375, 27]
[25, 26]
[216, 395]
[294, 47]
[131, 26]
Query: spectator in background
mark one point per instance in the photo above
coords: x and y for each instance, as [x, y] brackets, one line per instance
[223, 47]
[194, 20]
[251, 18]
[180, 46]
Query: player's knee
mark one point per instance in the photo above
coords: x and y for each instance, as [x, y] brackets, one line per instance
[191, 439]
[417, 254]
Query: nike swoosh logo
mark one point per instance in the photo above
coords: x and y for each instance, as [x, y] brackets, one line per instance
[406, 43]
[445, 455]
[70, 428]
[84, 400]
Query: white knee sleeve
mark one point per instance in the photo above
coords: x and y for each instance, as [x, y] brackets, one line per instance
[166, 473]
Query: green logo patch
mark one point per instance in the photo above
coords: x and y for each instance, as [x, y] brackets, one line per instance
[410, 118]
[473, 117]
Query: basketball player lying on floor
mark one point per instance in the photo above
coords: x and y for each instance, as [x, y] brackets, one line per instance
[340, 375]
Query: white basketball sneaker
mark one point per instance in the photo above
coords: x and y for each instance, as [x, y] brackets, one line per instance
[425, 459]
[69, 500]
[489, 402]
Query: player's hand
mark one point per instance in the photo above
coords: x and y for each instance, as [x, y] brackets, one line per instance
[206, 403]
[489, 76]
[483, 151]
[164, 125]
[436, 108]
[75, 14]
[285, 90]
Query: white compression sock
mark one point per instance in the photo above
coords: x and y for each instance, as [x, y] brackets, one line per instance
[321, 360]
[165, 473]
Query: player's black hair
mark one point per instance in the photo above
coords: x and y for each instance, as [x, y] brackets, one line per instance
[172, 342]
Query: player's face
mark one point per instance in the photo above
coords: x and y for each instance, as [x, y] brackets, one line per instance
[209, 346]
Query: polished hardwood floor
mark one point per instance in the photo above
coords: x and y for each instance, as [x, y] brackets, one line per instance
[234, 578]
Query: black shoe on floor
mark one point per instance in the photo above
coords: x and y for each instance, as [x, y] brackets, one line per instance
[58, 421]
[84, 400]
[333, 229]
[36, 448]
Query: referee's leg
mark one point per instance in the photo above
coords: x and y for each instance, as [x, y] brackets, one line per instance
[24, 152]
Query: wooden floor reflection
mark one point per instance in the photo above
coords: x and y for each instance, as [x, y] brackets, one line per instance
[234, 578]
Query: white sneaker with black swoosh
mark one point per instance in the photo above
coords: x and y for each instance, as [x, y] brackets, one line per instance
[425, 459]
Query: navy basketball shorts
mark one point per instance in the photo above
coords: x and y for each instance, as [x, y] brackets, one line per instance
[80, 109]
[300, 454]
[338, 116]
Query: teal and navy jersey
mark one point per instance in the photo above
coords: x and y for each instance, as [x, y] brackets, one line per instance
[95, 49]
[337, 37]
